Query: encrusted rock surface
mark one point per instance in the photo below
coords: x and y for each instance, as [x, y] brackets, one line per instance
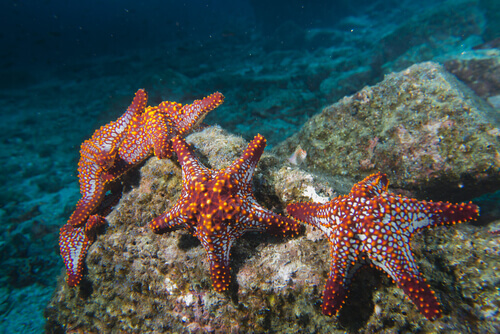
[480, 70]
[429, 132]
[140, 282]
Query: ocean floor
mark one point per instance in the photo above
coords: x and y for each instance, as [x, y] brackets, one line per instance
[269, 89]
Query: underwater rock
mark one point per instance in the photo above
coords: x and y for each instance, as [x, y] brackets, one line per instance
[140, 282]
[424, 128]
[480, 70]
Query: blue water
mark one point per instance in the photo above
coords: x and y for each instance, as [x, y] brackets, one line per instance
[68, 67]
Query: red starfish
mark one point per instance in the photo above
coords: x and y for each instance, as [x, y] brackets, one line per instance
[113, 150]
[218, 206]
[372, 225]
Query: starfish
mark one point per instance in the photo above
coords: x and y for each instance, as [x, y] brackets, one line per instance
[218, 206]
[113, 150]
[118, 146]
[372, 226]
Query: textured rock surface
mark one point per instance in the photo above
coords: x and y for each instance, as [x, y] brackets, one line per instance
[425, 129]
[139, 282]
[480, 70]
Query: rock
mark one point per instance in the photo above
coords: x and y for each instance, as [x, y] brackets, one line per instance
[494, 101]
[140, 282]
[480, 70]
[430, 133]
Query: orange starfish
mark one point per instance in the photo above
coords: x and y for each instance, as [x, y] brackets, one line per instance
[118, 146]
[113, 150]
[218, 206]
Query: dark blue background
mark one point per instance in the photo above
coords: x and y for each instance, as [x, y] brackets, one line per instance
[50, 31]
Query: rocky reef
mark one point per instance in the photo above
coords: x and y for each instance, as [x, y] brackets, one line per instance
[426, 129]
[140, 282]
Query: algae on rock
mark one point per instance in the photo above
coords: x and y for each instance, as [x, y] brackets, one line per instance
[141, 282]
[425, 129]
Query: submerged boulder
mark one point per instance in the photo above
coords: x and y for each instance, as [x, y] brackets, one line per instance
[141, 282]
[480, 70]
[428, 131]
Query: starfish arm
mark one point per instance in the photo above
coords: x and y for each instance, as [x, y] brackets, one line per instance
[414, 215]
[166, 222]
[132, 116]
[160, 130]
[73, 244]
[254, 217]
[92, 190]
[175, 217]
[332, 219]
[109, 136]
[100, 155]
[219, 272]
[192, 168]
[344, 265]
[242, 170]
[136, 146]
[218, 248]
[191, 115]
[171, 109]
[401, 267]
[321, 216]
[440, 213]
[388, 248]
[372, 186]
[91, 154]
[138, 103]
[138, 111]
[420, 293]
